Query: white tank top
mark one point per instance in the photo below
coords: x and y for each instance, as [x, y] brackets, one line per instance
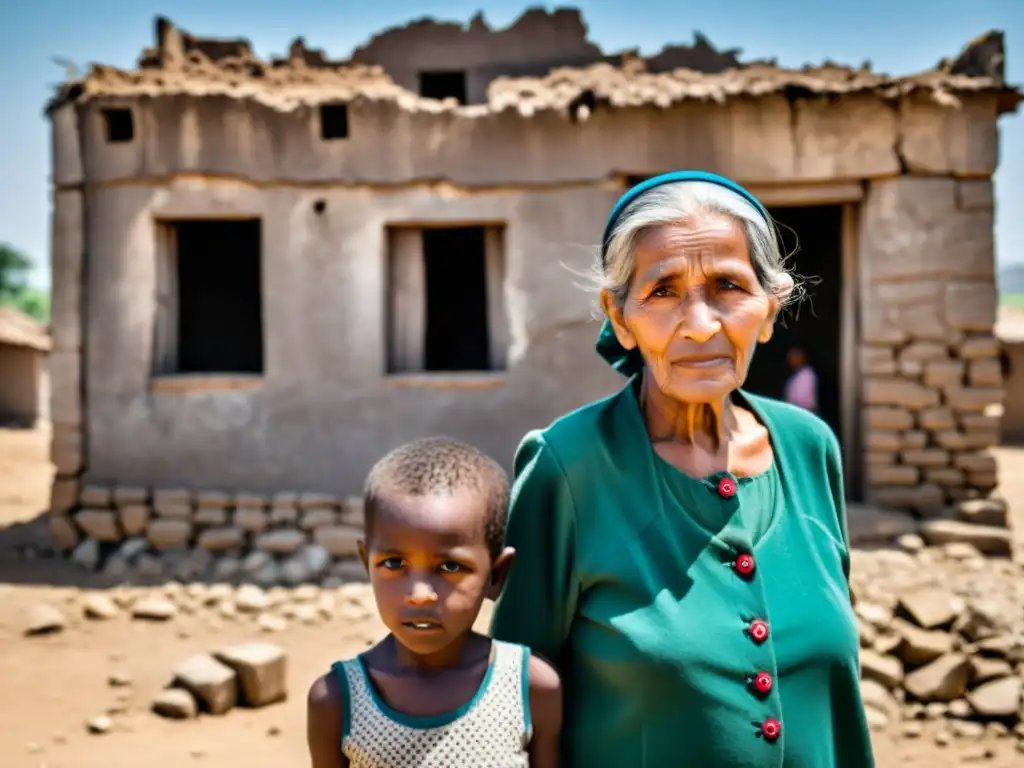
[492, 730]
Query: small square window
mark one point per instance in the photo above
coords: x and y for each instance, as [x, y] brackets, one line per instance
[334, 121]
[119, 125]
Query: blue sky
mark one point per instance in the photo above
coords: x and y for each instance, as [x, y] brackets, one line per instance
[897, 36]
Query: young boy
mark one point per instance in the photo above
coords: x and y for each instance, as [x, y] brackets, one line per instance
[434, 692]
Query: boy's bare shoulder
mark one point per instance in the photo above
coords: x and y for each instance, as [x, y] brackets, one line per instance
[325, 695]
[543, 677]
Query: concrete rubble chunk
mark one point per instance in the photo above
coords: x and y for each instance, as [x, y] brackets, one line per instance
[997, 698]
[100, 607]
[44, 619]
[220, 539]
[929, 607]
[988, 539]
[339, 540]
[282, 542]
[154, 609]
[169, 534]
[94, 495]
[920, 646]
[261, 669]
[175, 704]
[886, 670]
[87, 554]
[215, 685]
[984, 669]
[99, 524]
[981, 620]
[63, 532]
[992, 511]
[942, 680]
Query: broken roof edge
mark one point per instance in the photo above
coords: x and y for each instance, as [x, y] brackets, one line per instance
[185, 65]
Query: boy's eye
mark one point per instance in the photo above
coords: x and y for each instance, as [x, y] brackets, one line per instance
[452, 567]
[392, 563]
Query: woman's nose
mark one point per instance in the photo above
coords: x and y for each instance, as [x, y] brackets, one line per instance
[699, 321]
[421, 594]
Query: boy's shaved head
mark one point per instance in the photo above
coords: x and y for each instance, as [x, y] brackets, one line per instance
[438, 466]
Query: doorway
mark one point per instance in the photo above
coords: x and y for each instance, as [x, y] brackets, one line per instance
[815, 322]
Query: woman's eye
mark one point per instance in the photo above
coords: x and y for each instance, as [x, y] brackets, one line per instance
[728, 285]
[392, 563]
[451, 567]
[661, 292]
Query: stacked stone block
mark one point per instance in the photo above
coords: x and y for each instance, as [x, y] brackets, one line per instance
[929, 358]
[130, 522]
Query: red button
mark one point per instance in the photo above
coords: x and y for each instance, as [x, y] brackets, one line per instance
[771, 729]
[762, 682]
[758, 630]
[744, 565]
[726, 488]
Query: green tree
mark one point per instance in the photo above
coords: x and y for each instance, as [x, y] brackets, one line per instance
[14, 288]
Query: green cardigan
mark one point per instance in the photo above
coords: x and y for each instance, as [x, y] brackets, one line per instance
[695, 622]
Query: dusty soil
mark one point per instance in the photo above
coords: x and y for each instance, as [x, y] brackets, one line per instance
[52, 685]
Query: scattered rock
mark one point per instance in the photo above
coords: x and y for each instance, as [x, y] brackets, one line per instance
[919, 646]
[214, 685]
[986, 538]
[251, 599]
[119, 680]
[176, 704]
[268, 622]
[44, 619]
[261, 669]
[99, 725]
[884, 669]
[99, 607]
[942, 680]
[998, 698]
[87, 554]
[154, 609]
[929, 607]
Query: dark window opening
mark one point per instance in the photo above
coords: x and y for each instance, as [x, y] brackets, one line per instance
[334, 121]
[444, 85]
[457, 337]
[118, 125]
[220, 315]
[813, 324]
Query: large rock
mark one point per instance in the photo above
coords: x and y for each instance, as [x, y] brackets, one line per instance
[929, 607]
[883, 669]
[176, 704]
[261, 669]
[166, 533]
[943, 680]
[99, 524]
[986, 538]
[44, 619]
[215, 685]
[920, 646]
[998, 698]
[983, 512]
[154, 609]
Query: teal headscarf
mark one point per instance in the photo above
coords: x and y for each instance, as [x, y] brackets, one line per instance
[630, 362]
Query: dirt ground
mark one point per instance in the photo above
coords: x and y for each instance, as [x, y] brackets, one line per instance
[51, 686]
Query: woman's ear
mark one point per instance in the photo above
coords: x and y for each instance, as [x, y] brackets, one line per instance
[610, 306]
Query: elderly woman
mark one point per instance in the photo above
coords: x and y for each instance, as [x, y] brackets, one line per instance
[682, 547]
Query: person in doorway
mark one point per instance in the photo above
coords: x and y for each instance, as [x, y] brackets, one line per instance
[434, 693]
[682, 555]
[802, 384]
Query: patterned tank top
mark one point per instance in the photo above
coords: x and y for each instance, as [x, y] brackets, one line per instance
[492, 730]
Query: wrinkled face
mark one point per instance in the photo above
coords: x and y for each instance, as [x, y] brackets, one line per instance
[429, 566]
[695, 308]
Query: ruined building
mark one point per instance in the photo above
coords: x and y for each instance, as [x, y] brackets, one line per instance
[268, 272]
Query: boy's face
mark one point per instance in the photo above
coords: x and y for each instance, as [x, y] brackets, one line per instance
[430, 567]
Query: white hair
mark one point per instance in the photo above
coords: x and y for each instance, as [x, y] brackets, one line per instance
[680, 201]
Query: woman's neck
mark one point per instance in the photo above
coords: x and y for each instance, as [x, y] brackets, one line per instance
[707, 425]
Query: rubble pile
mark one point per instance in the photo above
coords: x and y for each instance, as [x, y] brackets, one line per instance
[942, 639]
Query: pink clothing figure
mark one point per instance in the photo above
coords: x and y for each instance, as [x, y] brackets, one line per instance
[802, 389]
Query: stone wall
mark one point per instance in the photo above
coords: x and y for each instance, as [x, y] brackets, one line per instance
[324, 410]
[929, 356]
[285, 537]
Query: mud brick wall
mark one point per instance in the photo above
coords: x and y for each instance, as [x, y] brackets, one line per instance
[929, 358]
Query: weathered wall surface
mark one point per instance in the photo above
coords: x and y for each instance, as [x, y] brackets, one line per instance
[531, 46]
[929, 357]
[325, 410]
[1013, 406]
[22, 385]
[770, 140]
